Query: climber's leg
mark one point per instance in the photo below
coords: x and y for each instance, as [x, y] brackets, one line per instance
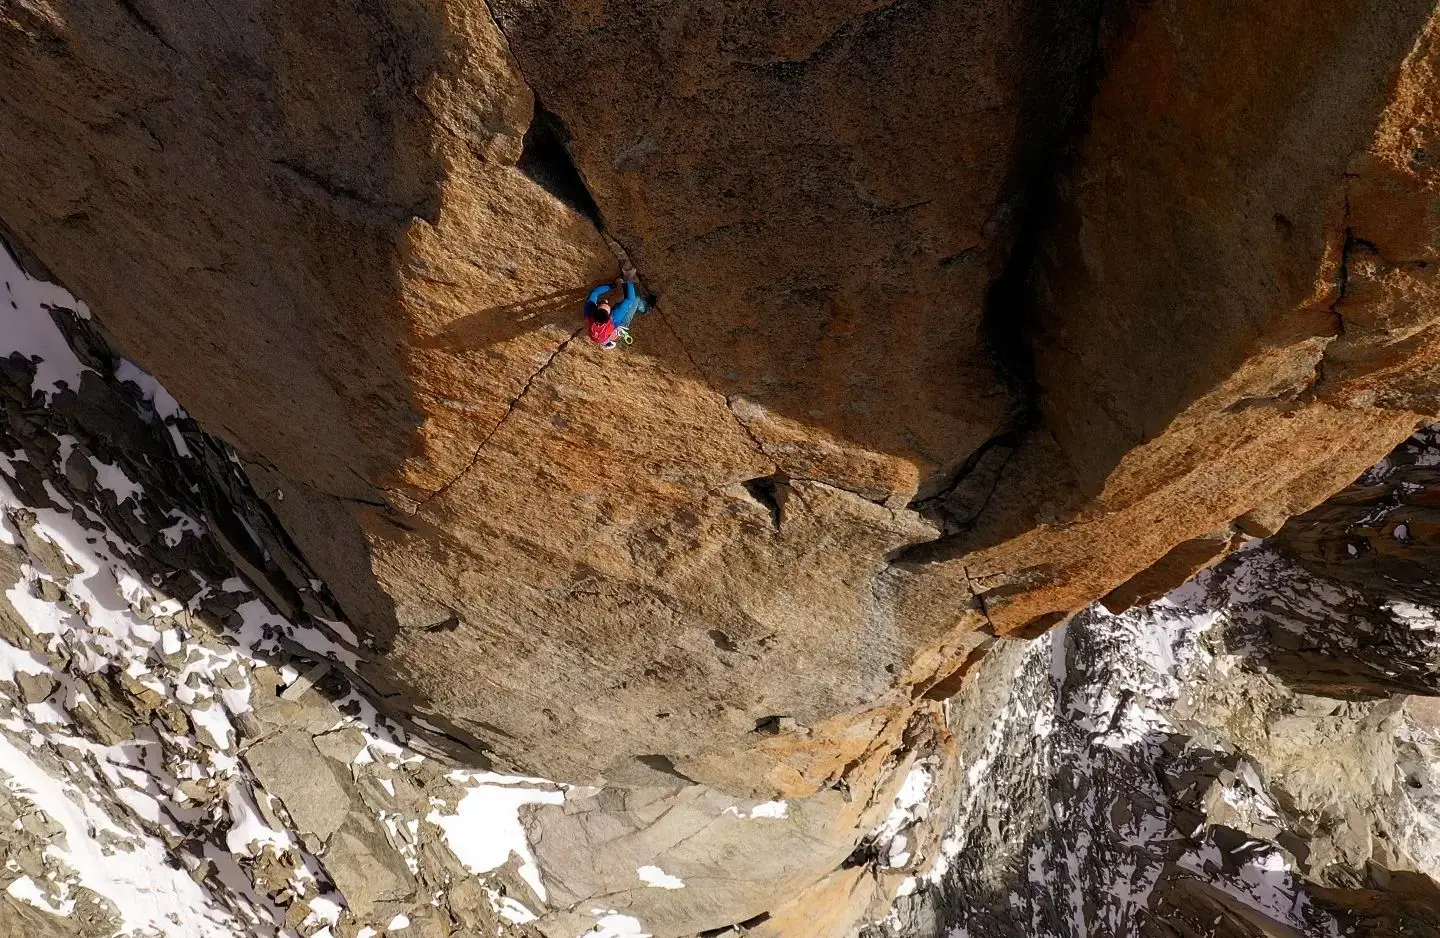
[625, 313]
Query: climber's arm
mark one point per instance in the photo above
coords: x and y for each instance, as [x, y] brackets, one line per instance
[594, 298]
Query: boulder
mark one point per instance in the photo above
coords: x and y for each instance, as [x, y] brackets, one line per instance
[365, 868]
[290, 767]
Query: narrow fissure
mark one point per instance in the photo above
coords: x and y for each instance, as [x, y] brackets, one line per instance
[1347, 247]
[514, 403]
[545, 159]
[1342, 289]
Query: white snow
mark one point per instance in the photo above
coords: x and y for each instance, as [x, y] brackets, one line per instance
[485, 828]
[18, 661]
[114, 478]
[215, 723]
[909, 804]
[655, 877]
[346, 633]
[399, 922]
[165, 405]
[183, 525]
[773, 810]
[248, 832]
[512, 911]
[148, 892]
[323, 909]
[30, 330]
[1415, 617]
[612, 924]
[25, 890]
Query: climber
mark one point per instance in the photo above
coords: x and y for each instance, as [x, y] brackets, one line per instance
[606, 325]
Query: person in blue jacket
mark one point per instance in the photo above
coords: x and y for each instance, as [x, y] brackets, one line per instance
[606, 324]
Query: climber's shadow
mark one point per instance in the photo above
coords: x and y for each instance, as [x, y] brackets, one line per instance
[497, 324]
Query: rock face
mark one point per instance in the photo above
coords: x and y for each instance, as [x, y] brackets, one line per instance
[186, 740]
[161, 673]
[968, 314]
[1212, 332]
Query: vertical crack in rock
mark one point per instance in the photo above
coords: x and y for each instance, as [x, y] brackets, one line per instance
[546, 159]
[1347, 247]
[1342, 289]
[1349, 243]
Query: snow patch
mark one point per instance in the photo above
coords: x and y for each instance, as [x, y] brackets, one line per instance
[655, 877]
[485, 828]
[30, 331]
[773, 810]
[612, 924]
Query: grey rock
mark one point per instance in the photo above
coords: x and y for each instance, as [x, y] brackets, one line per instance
[79, 471]
[366, 869]
[292, 769]
[247, 726]
[102, 412]
[305, 681]
[342, 745]
[589, 850]
[34, 687]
